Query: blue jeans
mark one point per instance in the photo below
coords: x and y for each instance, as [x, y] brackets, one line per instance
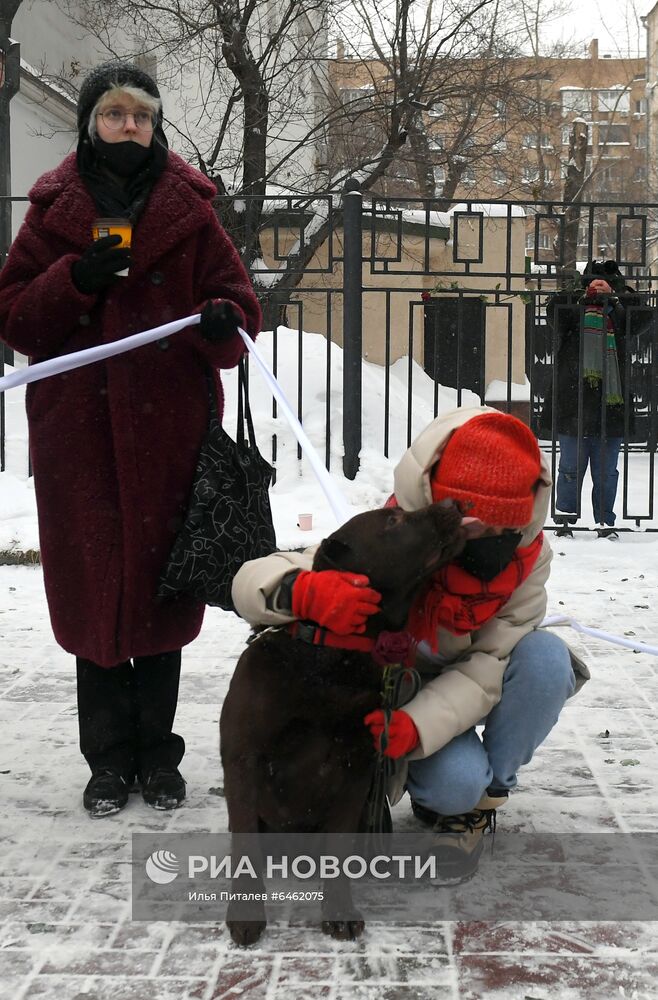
[538, 680]
[604, 475]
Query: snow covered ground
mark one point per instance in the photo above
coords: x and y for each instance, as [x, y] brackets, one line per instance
[65, 898]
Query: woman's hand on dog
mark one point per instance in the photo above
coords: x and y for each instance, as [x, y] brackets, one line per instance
[402, 733]
[339, 601]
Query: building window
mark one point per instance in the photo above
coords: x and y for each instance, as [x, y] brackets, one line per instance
[641, 106]
[640, 140]
[544, 240]
[500, 145]
[439, 178]
[499, 177]
[530, 140]
[500, 108]
[640, 173]
[356, 101]
[437, 110]
[614, 101]
[468, 176]
[530, 174]
[613, 134]
[576, 102]
[436, 143]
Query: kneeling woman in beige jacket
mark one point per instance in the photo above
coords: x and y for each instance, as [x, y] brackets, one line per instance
[481, 656]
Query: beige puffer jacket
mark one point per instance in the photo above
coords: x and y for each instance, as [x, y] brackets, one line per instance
[464, 682]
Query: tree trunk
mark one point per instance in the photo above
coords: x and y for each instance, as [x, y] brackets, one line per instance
[573, 196]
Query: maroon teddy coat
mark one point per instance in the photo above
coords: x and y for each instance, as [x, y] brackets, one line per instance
[114, 444]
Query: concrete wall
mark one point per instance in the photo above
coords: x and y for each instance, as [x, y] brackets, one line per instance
[405, 306]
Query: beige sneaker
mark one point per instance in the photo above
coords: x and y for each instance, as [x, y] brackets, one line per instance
[459, 840]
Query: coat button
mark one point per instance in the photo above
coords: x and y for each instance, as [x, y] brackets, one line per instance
[163, 344]
[157, 278]
[84, 319]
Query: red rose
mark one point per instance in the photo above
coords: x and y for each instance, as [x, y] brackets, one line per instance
[392, 647]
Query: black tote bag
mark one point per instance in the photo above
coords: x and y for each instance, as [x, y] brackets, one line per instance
[229, 519]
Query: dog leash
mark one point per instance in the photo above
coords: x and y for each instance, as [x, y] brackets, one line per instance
[378, 811]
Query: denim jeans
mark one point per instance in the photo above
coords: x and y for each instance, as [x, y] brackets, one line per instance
[538, 680]
[604, 476]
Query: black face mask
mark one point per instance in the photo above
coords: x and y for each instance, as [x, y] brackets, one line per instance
[486, 557]
[122, 158]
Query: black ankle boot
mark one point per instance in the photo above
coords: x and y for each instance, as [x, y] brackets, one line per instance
[164, 788]
[106, 792]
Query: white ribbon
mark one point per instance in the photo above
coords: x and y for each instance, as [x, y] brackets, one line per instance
[336, 500]
[55, 366]
[597, 633]
[65, 363]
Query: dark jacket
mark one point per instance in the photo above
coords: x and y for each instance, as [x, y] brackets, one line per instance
[114, 444]
[564, 317]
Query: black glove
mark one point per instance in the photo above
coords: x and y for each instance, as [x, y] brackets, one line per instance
[98, 265]
[219, 321]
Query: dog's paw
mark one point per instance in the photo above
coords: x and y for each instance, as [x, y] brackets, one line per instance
[246, 932]
[345, 930]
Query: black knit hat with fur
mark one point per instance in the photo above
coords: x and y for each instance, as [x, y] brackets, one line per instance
[112, 199]
[106, 76]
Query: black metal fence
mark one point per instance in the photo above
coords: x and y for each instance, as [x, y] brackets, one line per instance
[461, 293]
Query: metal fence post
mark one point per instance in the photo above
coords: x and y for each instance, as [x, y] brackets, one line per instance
[352, 325]
[10, 69]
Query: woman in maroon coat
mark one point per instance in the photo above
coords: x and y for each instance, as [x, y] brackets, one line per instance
[114, 444]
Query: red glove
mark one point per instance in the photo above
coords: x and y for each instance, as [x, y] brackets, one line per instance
[402, 733]
[338, 601]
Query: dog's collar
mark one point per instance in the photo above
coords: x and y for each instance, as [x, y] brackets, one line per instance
[315, 635]
[387, 647]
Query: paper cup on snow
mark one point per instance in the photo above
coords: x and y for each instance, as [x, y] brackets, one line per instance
[114, 227]
[305, 522]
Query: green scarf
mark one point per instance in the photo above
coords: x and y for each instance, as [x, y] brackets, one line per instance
[595, 323]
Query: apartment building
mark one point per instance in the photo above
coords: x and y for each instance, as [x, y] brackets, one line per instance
[502, 132]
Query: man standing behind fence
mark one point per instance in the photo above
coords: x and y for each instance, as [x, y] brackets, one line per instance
[607, 314]
[114, 444]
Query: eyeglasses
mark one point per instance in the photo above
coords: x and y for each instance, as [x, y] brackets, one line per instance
[115, 119]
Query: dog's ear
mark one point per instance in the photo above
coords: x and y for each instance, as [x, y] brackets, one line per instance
[332, 554]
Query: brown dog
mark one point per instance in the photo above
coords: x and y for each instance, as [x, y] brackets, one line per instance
[297, 756]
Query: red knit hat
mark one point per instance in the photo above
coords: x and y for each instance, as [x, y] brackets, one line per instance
[491, 462]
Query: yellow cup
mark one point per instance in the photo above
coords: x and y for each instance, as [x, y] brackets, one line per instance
[114, 227]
